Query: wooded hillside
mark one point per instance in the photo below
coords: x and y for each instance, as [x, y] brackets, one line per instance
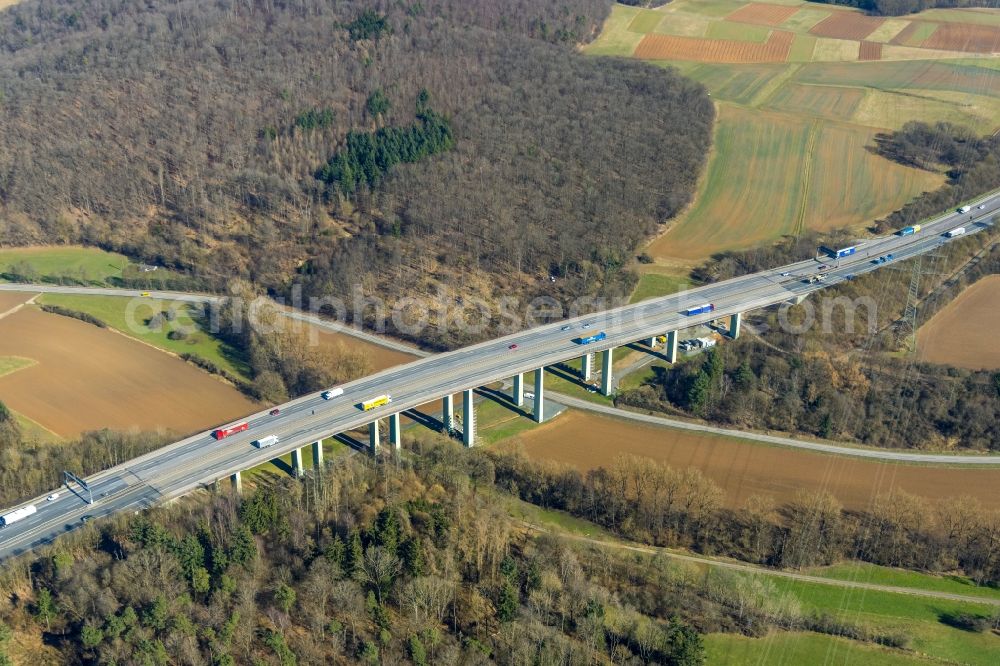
[191, 134]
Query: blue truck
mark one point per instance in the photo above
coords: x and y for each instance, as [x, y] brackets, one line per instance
[596, 337]
[906, 231]
[707, 307]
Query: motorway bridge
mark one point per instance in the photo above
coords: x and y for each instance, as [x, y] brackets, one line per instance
[200, 460]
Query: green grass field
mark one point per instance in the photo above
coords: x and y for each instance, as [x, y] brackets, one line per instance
[84, 264]
[798, 647]
[129, 316]
[739, 32]
[921, 620]
[9, 364]
[871, 573]
[652, 285]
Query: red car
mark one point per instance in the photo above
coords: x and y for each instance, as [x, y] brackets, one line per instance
[513, 346]
[275, 412]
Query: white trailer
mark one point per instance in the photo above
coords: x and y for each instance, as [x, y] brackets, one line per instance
[958, 231]
[17, 514]
[265, 442]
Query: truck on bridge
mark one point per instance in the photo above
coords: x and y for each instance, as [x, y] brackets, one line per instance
[265, 442]
[17, 514]
[958, 231]
[222, 433]
[906, 231]
[378, 401]
[707, 307]
[596, 337]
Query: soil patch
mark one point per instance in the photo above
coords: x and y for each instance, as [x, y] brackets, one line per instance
[11, 299]
[88, 378]
[870, 51]
[965, 37]
[963, 334]
[847, 25]
[741, 468]
[669, 47]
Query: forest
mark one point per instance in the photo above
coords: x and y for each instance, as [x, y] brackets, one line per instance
[189, 135]
[416, 559]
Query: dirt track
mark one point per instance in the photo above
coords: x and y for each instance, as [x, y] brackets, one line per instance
[11, 299]
[743, 468]
[964, 332]
[88, 378]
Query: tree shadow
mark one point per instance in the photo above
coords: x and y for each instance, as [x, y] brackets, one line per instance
[965, 621]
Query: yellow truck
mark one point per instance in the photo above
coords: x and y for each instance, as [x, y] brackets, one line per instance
[369, 405]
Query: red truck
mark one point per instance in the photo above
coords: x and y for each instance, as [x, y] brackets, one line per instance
[230, 430]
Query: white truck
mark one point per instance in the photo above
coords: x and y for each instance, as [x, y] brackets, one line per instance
[965, 209]
[332, 393]
[265, 442]
[958, 231]
[17, 514]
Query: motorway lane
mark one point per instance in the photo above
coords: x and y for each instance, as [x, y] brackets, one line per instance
[200, 459]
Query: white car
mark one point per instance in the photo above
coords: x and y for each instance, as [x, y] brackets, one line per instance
[982, 206]
[588, 325]
[529, 395]
[53, 497]
[786, 274]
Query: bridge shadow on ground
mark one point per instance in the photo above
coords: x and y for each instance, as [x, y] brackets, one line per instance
[502, 399]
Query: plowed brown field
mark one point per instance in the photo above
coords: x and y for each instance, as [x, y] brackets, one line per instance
[965, 37]
[846, 25]
[742, 468]
[11, 299]
[762, 14]
[89, 378]
[870, 51]
[964, 332]
[668, 47]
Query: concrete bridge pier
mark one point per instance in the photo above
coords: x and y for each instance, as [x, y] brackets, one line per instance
[297, 469]
[468, 418]
[539, 395]
[237, 480]
[373, 438]
[448, 412]
[587, 367]
[651, 342]
[317, 448]
[518, 396]
[395, 432]
[734, 324]
[607, 381]
[671, 348]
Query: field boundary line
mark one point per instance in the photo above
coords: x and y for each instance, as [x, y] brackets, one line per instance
[760, 570]
[815, 129]
[771, 88]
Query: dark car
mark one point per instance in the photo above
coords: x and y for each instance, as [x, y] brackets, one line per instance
[823, 267]
[275, 411]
